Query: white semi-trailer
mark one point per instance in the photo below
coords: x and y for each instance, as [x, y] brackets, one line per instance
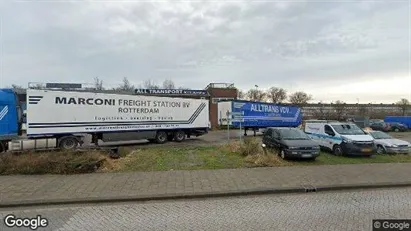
[62, 118]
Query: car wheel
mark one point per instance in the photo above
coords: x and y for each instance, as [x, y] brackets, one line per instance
[380, 149]
[396, 130]
[282, 155]
[337, 150]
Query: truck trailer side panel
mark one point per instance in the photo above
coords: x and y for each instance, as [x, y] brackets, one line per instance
[263, 115]
[9, 115]
[399, 119]
[63, 112]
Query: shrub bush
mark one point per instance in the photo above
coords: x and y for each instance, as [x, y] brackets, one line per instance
[233, 146]
[50, 162]
[251, 146]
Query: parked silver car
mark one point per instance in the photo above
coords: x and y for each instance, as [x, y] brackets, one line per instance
[388, 144]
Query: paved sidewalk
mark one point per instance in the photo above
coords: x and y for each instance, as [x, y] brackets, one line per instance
[99, 187]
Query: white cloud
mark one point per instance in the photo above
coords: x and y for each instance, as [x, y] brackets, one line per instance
[297, 45]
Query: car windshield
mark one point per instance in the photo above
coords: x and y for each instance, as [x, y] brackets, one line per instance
[380, 135]
[348, 129]
[293, 135]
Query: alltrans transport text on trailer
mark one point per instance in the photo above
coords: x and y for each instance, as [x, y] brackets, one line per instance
[61, 118]
[258, 115]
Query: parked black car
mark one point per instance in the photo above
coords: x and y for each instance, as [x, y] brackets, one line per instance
[291, 142]
[398, 127]
[380, 126]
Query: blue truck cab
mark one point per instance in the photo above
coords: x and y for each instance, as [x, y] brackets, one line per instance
[10, 117]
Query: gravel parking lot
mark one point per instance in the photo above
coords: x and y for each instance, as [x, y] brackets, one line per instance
[221, 137]
[402, 135]
[213, 137]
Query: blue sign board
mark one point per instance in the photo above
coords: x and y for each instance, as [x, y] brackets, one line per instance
[170, 92]
[262, 115]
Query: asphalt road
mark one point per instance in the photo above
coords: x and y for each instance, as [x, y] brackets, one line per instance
[349, 210]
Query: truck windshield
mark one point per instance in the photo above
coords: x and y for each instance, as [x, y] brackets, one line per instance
[293, 135]
[348, 129]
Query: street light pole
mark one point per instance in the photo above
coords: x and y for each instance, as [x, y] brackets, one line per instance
[256, 92]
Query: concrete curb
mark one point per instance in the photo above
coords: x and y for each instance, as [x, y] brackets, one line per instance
[261, 191]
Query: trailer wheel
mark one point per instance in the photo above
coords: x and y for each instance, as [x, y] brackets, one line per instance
[179, 136]
[161, 137]
[68, 143]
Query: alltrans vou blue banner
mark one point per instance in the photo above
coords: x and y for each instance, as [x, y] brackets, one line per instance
[257, 114]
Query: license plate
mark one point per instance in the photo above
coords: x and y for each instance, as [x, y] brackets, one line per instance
[366, 150]
[306, 155]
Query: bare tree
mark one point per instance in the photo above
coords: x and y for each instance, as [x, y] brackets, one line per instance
[126, 85]
[299, 98]
[277, 95]
[256, 95]
[184, 88]
[320, 112]
[339, 108]
[241, 94]
[37, 86]
[98, 83]
[148, 84]
[404, 104]
[363, 110]
[168, 84]
[16, 87]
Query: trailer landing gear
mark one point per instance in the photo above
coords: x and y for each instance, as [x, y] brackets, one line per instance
[2, 147]
[94, 139]
[170, 137]
[254, 130]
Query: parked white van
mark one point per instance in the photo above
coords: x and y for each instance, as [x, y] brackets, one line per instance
[342, 138]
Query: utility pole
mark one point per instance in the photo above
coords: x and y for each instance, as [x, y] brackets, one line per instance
[256, 92]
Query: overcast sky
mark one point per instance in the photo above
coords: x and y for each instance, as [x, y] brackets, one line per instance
[333, 50]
